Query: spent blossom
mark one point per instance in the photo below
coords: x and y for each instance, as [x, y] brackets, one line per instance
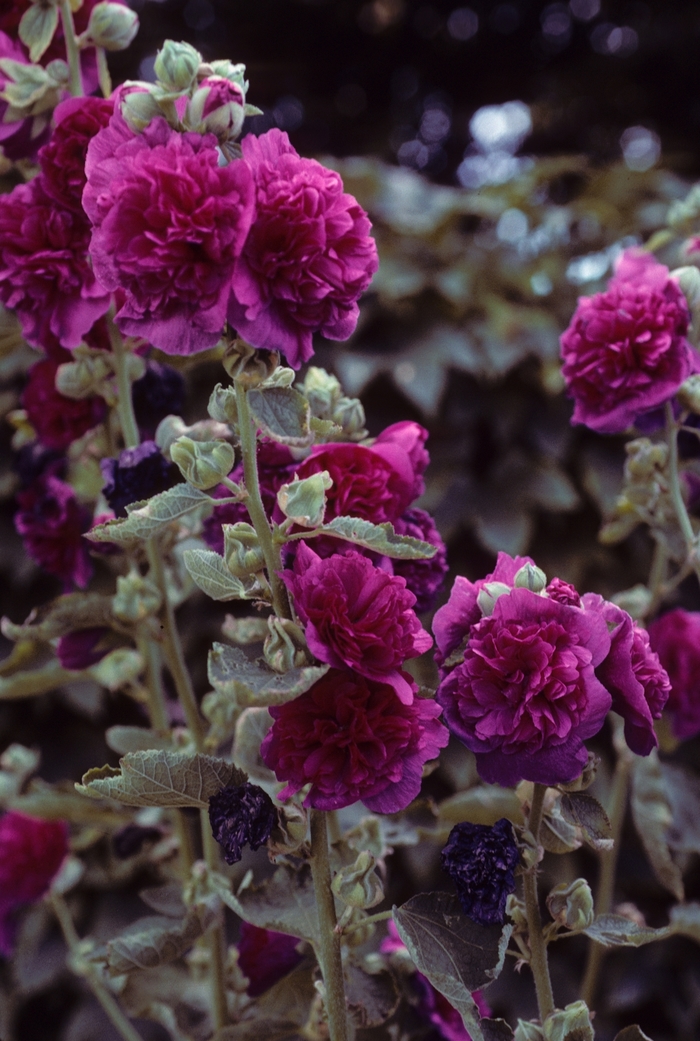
[241, 815]
[137, 474]
[481, 860]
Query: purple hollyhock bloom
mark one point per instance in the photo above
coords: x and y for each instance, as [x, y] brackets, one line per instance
[31, 853]
[633, 674]
[138, 474]
[563, 592]
[265, 956]
[526, 696]
[52, 522]
[241, 815]
[675, 637]
[481, 860]
[34, 460]
[159, 393]
[424, 578]
[309, 255]
[58, 420]
[357, 615]
[82, 648]
[626, 350]
[62, 160]
[351, 739]
[168, 226]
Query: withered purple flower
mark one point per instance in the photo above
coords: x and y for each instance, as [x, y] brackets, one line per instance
[241, 815]
[481, 861]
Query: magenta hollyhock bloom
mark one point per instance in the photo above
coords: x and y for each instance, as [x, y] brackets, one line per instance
[410, 437]
[424, 578]
[309, 255]
[83, 648]
[265, 956]
[625, 351]
[31, 853]
[351, 739]
[62, 160]
[357, 615]
[675, 637]
[633, 674]
[563, 592]
[58, 420]
[168, 225]
[45, 277]
[526, 696]
[51, 522]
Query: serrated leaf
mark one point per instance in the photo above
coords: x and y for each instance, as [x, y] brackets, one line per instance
[372, 997]
[378, 537]
[652, 818]
[157, 940]
[208, 570]
[135, 739]
[254, 684]
[286, 903]
[633, 1033]
[37, 27]
[613, 930]
[586, 813]
[162, 778]
[457, 955]
[282, 413]
[150, 517]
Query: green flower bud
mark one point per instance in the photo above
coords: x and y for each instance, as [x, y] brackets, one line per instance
[242, 550]
[358, 884]
[688, 278]
[247, 365]
[571, 906]
[202, 463]
[367, 835]
[489, 594]
[86, 375]
[112, 26]
[322, 391]
[176, 65]
[349, 414]
[291, 832]
[285, 646]
[689, 390]
[138, 108]
[530, 577]
[216, 107]
[515, 909]
[528, 1032]
[304, 502]
[683, 214]
[222, 405]
[571, 1024]
[586, 779]
[136, 598]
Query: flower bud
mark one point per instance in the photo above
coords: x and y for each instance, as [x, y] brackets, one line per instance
[86, 375]
[586, 779]
[571, 906]
[247, 365]
[138, 108]
[349, 414]
[202, 463]
[683, 213]
[515, 909]
[530, 577]
[688, 278]
[489, 594]
[242, 550]
[170, 429]
[285, 646]
[112, 26]
[176, 65]
[358, 885]
[291, 831]
[573, 1022]
[136, 598]
[304, 501]
[322, 391]
[217, 106]
[222, 405]
[528, 1032]
[689, 392]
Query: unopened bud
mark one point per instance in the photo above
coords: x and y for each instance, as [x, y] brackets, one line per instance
[291, 831]
[285, 646]
[222, 404]
[349, 414]
[530, 577]
[242, 550]
[139, 108]
[112, 26]
[688, 278]
[176, 65]
[136, 598]
[489, 594]
[247, 365]
[515, 909]
[322, 391]
[570, 1024]
[586, 779]
[202, 463]
[217, 106]
[571, 906]
[358, 884]
[86, 375]
[304, 501]
[528, 1031]
[689, 392]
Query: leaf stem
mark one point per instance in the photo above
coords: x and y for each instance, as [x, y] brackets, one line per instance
[538, 948]
[329, 947]
[381, 916]
[679, 506]
[125, 407]
[72, 52]
[103, 72]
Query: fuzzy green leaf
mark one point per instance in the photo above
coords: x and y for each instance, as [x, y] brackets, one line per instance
[208, 570]
[253, 683]
[36, 29]
[150, 517]
[157, 940]
[282, 413]
[381, 538]
[586, 813]
[123, 740]
[63, 615]
[286, 903]
[613, 930]
[162, 778]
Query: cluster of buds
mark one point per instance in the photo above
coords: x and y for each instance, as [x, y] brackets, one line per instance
[327, 402]
[645, 496]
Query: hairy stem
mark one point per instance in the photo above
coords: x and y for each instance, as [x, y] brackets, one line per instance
[103, 72]
[329, 951]
[157, 709]
[90, 973]
[538, 948]
[72, 52]
[217, 945]
[125, 406]
[676, 493]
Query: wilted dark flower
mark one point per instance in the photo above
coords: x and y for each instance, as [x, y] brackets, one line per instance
[138, 474]
[130, 839]
[241, 815]
[481, 861]
[51, 522]
[159, 393]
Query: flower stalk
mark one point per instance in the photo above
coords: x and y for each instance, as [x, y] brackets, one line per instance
[329, 946]
[538, 948]
[72, 52]
[679, 506]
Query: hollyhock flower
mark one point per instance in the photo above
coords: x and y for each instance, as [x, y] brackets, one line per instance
[526, 696]
[11, 15]
[351, 739]
[31, 853]
[159, 393]
[633, 674]
[357, 615]
[62, 160]
[410, 437]
[241, 815]
[58, 420]
[51, 522]
[625, 351]
[424, 578]
[481, 861]
[309, 255]
[138, 474]
[265, 956]
[563, 592]
[168, 225]
[35, 460]
[44, 274]
[675, 637]
[83, 648]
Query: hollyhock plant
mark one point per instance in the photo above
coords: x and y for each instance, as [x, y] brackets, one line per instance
[31, 853]
[309, 255]
[52, 522]
[675, 637]
[58, 420]
[351, 739]
[168, 226]
[481, 861]
[265, 957]
[241, 815]
[19, 139]
[356, 615]
[138, 474]
[626, 351]
[424, 578]
[62, 160]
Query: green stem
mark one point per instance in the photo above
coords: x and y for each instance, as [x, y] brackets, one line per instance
[125, 407]
[329, 949]
[90, 973]
[217, 945]
[157, 709]
[103, 72]
[72, 52]
[381, 916]
[254, 505]
[538, 948]
[608, 864]
[676, 493]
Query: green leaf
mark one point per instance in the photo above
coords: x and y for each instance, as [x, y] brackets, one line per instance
[63, 615]
[208, 570]
[162, 778]
[282, 413]
[372, 997]
[286, 903]
[457, 955]
[652, 818]
[51, 803]
[156, 940]
[613, 930]
[150, 517]
[586, 813]
[136, 739]
[37, 681]
[482, 804]
[253, 684]
[378, 537]
[281, 1013]
[36, 29]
